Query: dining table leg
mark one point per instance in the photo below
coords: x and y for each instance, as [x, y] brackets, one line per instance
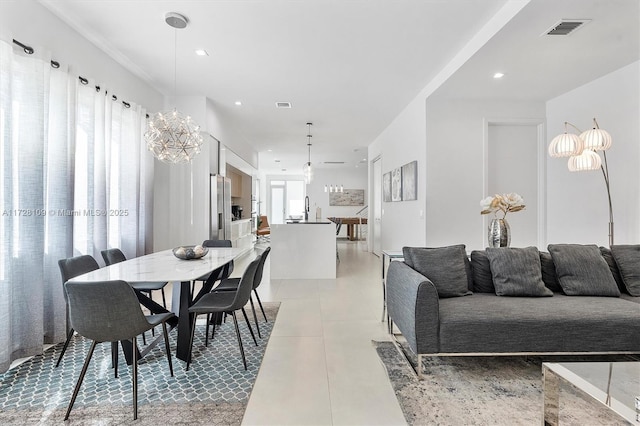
[184, 322]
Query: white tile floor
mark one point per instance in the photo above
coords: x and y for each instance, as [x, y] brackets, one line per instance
[320, 367]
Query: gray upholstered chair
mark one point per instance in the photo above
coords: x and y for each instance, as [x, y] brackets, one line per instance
[71, 268]
[227, 302]
[231, 284]
[120, 319]
[222, 272]
[115, 255]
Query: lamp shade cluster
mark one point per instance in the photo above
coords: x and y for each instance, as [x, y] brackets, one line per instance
[581, 150]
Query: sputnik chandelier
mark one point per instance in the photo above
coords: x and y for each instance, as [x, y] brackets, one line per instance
[171, 136]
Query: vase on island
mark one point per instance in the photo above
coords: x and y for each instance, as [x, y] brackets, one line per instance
[499, 233]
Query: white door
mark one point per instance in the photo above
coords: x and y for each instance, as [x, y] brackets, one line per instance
[377, 207]
[277, 204]
[513, 167]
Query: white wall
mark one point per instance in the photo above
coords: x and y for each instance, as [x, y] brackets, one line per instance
[577, 204]
[403, 222]
[454, 169]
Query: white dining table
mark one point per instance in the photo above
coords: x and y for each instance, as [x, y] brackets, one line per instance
[164, 266]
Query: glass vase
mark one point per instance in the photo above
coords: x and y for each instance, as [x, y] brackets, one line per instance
[499, 234]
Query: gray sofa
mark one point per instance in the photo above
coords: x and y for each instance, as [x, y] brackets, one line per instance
[480, 322]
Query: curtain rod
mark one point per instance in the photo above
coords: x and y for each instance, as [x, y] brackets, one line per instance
[55, 64]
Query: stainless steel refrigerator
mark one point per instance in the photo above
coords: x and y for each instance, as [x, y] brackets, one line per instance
[220, 208]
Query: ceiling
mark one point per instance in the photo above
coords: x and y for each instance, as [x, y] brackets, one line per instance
[348, 66]
[540, 67]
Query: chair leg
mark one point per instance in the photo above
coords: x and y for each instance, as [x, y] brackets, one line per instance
[166, 346]
[235, 322]
[260, 303]
[164, 299]
[255, 317]
[134, 378]
[246, 319]
[206, 332]
[80, 379]
[193, 332]
[114, 358]
[66, 345]
[144, 339]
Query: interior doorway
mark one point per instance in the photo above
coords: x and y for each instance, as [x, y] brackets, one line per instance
[514, 163]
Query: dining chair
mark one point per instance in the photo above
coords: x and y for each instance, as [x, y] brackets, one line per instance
[222, 272]
[71, 268]
[227, 302]
[263, 230]
[231, 284]
[120, 319]
[115, 255]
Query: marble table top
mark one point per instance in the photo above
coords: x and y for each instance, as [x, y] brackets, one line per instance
[163, 266]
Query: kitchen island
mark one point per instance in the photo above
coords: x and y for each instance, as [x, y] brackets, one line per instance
[303, 250]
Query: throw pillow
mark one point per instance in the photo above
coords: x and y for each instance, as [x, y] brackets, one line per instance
[482, 279]
[582, 271]
[517, 272]
[549, 272]
[627, 258]
[613, 267]
[444, 266]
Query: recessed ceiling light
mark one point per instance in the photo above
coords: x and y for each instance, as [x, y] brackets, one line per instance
[269, 150]
[498, 75]
[201, 52]
[283, 104]
[238, 103]
[277, 161]
[284, 170]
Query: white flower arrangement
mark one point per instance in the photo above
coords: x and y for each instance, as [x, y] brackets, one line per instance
[504, 203]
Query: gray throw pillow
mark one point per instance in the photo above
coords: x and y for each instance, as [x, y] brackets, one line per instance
[482, 279]
[613, 267]
[445, 267]
[582, 271]
[549, 272]
[517, 272]
[627, 258]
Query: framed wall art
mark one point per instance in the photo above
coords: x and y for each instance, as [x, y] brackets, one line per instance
[410, 181]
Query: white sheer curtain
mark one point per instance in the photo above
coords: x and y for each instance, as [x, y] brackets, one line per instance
[76, 179]
[113, 175]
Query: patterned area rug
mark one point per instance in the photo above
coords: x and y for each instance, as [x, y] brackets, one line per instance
[214, 391]
[481, 391]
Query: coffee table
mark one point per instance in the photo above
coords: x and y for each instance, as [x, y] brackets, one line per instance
[613, 386]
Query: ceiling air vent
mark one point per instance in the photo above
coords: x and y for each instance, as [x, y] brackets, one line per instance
[283, 104]
[334, 162]
[566, 26]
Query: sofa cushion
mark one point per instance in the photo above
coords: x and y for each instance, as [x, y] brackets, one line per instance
[491, 324]
[483, 281]
[582, 271]
[613, 267]
[549, 272]
[517, 272]
[627, 257]
[446, 267]
[481, 272]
